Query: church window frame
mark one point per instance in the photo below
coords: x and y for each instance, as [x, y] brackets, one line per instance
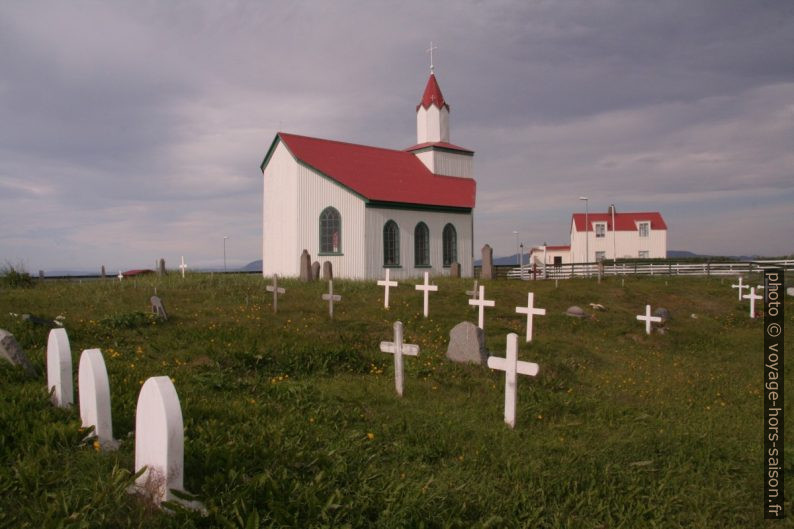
[422, 246]
[330, 232]
[449, 239]
[391, 244]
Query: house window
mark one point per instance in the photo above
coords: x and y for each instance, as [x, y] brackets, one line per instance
[450, 241]
[644, 228]
[421, 245]
[330, 231]
[600, 229]
[391, 244]
[600, 256]
[644, 254]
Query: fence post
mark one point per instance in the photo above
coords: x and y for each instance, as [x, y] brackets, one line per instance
[708, 268]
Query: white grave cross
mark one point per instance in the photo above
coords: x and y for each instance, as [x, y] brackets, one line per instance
[398, 349]
[427, 287]
[741, 287]
[330, 298]
[274, 288]
[512, 366]
[473, 291]
[530, 311]
[648, 319]
[752, 296]
[120, 276]
[481, 302]
[183, 267]
[94, 391]
[59, 368]
[386, 284]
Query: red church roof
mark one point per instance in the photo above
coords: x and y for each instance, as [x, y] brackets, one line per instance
[377, 174]
[624, 221]
[432, 95]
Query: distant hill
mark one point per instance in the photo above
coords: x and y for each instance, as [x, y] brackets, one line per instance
[253, 266]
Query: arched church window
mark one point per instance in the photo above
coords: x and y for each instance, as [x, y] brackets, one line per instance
[450, 244]
[421, 245]
[330, 231]
[391, 244]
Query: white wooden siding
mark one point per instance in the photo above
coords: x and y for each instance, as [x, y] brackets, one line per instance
[316, 193]
[432, 124]
[407, 220]
[447, 163]
[628, 244]
[280, 250]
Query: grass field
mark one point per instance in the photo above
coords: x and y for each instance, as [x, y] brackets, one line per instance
[291, 420]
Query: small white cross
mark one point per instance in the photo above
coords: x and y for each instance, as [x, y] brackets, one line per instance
[274, 288]
[430, 50]
[648, 319]
[386, 284]
[511, 365]
[473, 291]
[427, 287]
[752, 296]
[120, 276]
[398, 349]
[330, 298]
[482, 303]
[741, 287]
[530, 310]
[183, 267]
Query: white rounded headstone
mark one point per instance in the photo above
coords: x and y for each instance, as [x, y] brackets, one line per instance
[59, 368]
[94, 392]
[159, 439]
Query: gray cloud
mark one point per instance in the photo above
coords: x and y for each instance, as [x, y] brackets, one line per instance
[134, 131]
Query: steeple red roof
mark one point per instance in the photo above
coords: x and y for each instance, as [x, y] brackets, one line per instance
[432, 95]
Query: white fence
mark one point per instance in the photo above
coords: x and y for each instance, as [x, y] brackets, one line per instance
[666, 268]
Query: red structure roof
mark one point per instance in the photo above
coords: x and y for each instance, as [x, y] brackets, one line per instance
[624, 221]
[432, 95]
[377, 174]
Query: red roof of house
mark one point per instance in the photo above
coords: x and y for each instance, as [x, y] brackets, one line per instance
[377, 174]
[550, 248]
[432, 95]
[440, 144]
[624, 221]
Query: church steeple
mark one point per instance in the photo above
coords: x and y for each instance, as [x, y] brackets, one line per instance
[432, 114]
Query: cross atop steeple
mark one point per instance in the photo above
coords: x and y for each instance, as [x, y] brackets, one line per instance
[430, 50]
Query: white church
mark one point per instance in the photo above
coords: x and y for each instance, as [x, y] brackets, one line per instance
[367, 209]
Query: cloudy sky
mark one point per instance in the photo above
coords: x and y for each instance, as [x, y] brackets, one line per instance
[134, 130]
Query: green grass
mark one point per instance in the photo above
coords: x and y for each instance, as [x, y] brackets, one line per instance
[292, 420]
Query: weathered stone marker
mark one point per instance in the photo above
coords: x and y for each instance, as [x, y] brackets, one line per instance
[486, 272]
[386, 284]
[648, 319]
[481, 302]
[328, 270]
[427, 288]
[467, 344]
[161, 267]
[59, 368]
[274, 288]
[306, 266]
[159, 442]
[12, 351]
[102, 272]
[315, 271]
[182, 266]
[740, 286]
[454, 269]
[94, 393]
[530, 311]
[158, 309]
[330, 298]
[512, 366]
[398, 349]
[752, 296]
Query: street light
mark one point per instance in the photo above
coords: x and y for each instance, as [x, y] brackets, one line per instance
[516, 234]
[224, 253]
[586, 233]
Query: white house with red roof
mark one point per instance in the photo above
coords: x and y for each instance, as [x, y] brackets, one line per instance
[610, 235]
[365, 208]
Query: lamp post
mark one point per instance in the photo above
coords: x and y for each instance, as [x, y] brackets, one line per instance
[224, 253]
[586, 234]
[521, 261]
[516, 234]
